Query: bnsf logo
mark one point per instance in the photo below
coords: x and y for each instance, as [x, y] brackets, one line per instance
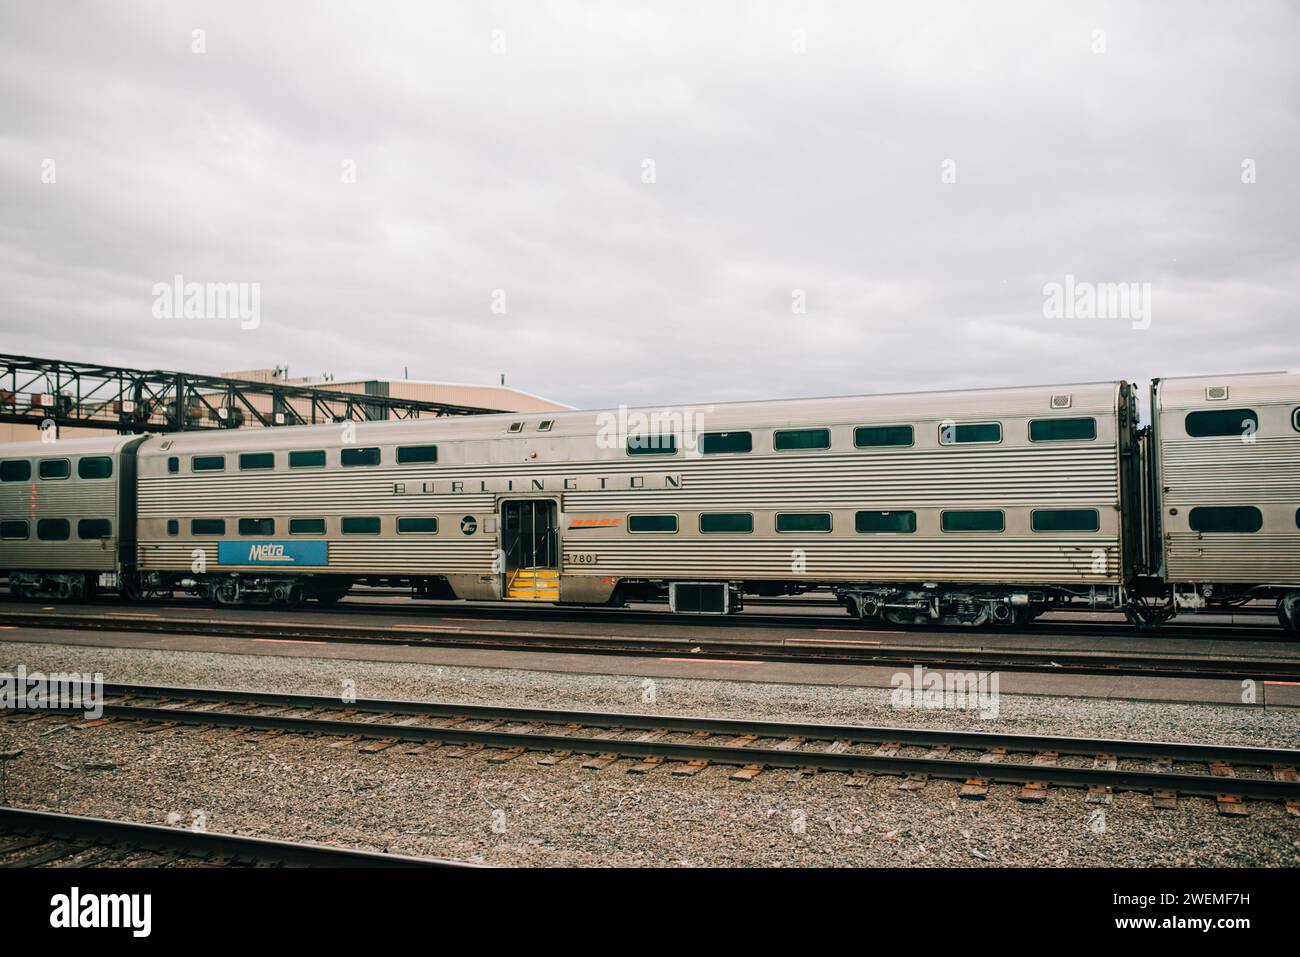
[267, 553]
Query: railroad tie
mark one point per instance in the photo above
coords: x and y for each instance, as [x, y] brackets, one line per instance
[599, 761]
[747, 773]
[465, 750]
[1230, 805]
[504, 755]
[555, 757]
[377, 745]
[1164, 800]
[647, 765]
[1102, 793]
[1282, 772]
[977, 789]
[1035, 792]
[690, 768]
[859, 778]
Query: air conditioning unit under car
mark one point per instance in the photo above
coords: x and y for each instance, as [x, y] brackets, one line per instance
[700, 598]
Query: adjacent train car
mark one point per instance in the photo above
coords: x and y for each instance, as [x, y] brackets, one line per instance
[1228, 475]
[67, 515]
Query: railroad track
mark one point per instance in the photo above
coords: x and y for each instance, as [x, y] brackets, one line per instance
[1260, 628]
[1231, 775]
[45, 838]
[785, 649]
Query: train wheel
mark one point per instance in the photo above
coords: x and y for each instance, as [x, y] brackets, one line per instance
[1288, 612]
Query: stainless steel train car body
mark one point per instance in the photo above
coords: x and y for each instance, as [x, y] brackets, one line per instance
[67, 511]
[580, 461]
[1229, 474]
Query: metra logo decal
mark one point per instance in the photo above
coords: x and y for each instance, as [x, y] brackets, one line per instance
[273, 553]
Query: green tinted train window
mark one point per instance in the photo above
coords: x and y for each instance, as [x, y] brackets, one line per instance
[985, 520]
[207, 526]
[253, 461]
[735, 522]
[961, 433]
[427, 525]
[355, 457]
[1062, 430]
[173, 527]
[55, 468]
[652, 523]
[208, 463]
[14, 529]
[408, 454]
[803, 521]
[309, 459]
[173, 464]
[94, 528]
[791, 440]
[652, 445]
[1065, 520]
[96, 467]
[1226, 518]
[257, 526]
[360, 526]
[306, 526]
[1222, 422]
[876, 436]
[716, 443]
[15, 470]
[902, 522]
[53, 529]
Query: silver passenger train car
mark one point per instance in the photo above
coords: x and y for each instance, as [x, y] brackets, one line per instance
[962, 507]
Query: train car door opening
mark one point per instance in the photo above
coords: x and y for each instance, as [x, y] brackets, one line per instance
[530, 544]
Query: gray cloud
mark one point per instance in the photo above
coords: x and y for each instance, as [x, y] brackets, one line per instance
[776, 172]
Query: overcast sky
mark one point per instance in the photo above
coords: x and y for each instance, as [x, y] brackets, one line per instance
[794, 147]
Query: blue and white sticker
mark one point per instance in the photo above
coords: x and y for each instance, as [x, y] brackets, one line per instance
[254, 552]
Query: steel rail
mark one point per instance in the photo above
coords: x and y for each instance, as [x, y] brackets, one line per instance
[357, 605]
[1274, 789]
[786, 650]
[157, 838]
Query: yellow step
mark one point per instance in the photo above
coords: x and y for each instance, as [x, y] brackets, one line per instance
[537, 573]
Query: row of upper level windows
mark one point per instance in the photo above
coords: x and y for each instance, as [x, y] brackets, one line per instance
[868, 437]
[90, 467]
[1209, 423]
[711, 443]
[56, 529]
[308, 459]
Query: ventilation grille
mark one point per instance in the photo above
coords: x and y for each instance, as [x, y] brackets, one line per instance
[1216, 393]
[1062, 401]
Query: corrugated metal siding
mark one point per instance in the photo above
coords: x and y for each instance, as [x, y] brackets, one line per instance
[1227, 470]
[72, 499]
